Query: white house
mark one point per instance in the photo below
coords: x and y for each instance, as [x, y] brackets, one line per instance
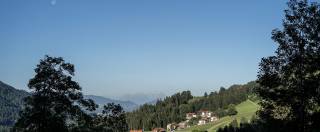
[202, 122]
[213, 118]
[190, 115]
[205, 113]
[206, 117]
[182, 125]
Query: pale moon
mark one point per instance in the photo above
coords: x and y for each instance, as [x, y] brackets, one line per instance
[53, 2]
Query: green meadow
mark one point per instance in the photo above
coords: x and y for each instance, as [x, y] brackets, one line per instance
[246, 109]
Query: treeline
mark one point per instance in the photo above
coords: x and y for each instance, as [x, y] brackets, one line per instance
[173, 109]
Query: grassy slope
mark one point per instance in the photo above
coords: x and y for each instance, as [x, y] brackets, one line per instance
[245, 109]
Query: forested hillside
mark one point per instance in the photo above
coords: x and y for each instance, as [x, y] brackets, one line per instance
[11, 101]
[174, 108]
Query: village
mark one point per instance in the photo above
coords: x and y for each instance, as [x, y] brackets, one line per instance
[201, 117]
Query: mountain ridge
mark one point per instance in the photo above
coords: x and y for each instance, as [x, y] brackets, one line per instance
[100, 100]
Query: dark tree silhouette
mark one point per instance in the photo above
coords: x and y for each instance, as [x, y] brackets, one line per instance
[112, 119]
[56, 103]
[290, 80]
[205, 94]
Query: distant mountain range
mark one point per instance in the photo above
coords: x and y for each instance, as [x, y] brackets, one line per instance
[143, 98]
[127, 105]
[11, 102]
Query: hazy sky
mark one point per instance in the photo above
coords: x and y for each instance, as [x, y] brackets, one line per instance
[139, 46]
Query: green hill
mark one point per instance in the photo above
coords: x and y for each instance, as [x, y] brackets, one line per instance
[245, 109]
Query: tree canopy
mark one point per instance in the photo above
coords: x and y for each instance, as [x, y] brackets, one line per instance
[290, 80]
[57, 104]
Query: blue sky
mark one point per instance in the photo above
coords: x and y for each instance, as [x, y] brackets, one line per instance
[140, 46]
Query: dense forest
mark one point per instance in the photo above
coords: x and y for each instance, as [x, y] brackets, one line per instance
[173, 109]
[11, 101]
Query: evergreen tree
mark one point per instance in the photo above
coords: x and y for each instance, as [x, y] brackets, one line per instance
[205, 94]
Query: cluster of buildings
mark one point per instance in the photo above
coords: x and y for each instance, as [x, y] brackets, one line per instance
[204, 117]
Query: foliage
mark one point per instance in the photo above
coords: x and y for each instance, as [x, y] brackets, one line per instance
[57, 104]
[162, 113]
[194, 121]
[5, 129]
[11, 101]
[199, 131]
[289, 90]
[54, 98]
[243, 120]
[112, 119]
[232, 127]
[232, 110]
[234, 123]
[290, 79]
[173, 109]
